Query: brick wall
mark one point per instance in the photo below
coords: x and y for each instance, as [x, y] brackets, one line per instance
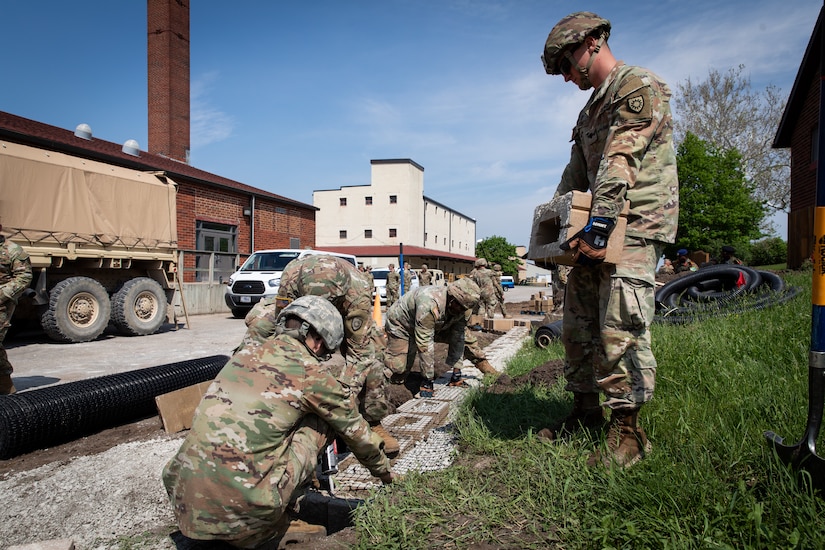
[275, 222]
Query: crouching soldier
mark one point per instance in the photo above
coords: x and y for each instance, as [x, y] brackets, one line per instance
[258, 431]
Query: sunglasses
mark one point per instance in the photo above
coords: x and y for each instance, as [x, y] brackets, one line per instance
[565, 66]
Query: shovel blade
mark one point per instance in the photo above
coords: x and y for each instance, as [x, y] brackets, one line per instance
[802, 458]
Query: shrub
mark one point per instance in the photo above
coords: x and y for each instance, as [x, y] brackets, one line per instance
[772, 250]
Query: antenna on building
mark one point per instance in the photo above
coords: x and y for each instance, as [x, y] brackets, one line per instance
[131, 147]
[83, 131]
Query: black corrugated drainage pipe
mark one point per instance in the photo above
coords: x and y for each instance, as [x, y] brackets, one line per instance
[36, 419]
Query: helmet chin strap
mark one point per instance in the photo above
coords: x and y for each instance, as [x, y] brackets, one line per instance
[584, 81]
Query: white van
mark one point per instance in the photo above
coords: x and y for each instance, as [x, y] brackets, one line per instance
[260, 276]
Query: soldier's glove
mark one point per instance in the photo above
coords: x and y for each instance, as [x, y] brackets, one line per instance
[590, 244]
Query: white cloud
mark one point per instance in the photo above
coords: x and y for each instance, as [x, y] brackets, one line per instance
[208, 124]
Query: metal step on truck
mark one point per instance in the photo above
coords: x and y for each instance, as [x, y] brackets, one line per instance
[102, 242]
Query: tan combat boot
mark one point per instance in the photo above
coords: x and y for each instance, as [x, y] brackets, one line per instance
[586, 414]
[300, 532]
[485, 367]
[391, 445]
[627, 442]
[6, 385]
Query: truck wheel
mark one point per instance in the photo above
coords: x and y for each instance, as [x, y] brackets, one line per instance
[78, 310]
[239, 313]
[139, 307]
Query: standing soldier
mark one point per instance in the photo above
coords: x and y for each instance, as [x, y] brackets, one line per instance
[259, 428]
[427, 315]
[15, 277]
[499, 291]
[623, 154]
[408, 277]
[393, 285]
[482, 277]
[350, 292]
[425, 277]
[729, 256]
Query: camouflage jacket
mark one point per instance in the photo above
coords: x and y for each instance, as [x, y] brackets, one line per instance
[344, 286]
[623, 151]
[483, 278]
[420, 317]
[393, 281]
[425, 277]
[224, 478]
[408, 277]
[15, 270]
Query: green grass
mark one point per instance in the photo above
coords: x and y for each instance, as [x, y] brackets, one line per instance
[712, 480]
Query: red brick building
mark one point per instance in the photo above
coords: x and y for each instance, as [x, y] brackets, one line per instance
[799, 130]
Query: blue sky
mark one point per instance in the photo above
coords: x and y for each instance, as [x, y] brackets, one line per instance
[297, 96]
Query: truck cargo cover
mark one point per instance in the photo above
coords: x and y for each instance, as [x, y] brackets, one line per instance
[52, 199]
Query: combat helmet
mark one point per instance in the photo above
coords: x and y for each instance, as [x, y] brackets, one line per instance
[496, 267]
[318, 313]
[571, 30]
[465, 291]
[481, 262]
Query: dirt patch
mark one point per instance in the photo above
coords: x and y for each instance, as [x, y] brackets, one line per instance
[543, 375]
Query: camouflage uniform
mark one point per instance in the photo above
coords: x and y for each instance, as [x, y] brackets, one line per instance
[15, 277]
[482, 276]
[425, 276]
[421, 317]
[408, 277]
[255, 440]
[495, 277]
[622, 153]
[350, 292]
[683, 264]
[560, 273]
[393, 286]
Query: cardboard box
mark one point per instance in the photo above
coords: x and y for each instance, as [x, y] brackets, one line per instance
[498, 325]
[557, 221]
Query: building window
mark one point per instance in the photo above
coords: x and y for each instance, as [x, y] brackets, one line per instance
[393, 199]
[342, 234]
[393, 232]
[218, 243]
[342, 201]
[367, 233]
[425, 236]
[368, 201]
[294, 242]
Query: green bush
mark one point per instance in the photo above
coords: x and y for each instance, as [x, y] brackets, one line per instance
[769, 251]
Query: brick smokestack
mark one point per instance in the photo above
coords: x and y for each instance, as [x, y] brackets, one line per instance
[168, 56]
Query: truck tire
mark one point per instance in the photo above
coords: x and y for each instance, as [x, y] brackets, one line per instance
[239, 312]
[78, 310]
[139, 307]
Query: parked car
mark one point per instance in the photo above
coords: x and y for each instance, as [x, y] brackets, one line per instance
[260, 277]
[507, 282]
[379, 277]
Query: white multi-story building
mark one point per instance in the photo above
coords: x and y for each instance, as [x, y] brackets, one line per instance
[392, 216]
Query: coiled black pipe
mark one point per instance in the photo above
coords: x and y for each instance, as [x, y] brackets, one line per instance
[44, 417]
[719, 290]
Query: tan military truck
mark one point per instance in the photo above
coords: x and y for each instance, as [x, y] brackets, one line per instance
[102, 242]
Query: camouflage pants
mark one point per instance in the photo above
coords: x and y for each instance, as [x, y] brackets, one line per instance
[392, 297]
[6, 311]
[472, 351]
[400, 359]
[298, 457]
[613, 356]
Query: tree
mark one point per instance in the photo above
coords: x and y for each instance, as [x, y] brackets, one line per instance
[726, 113]
[496, 250]
[716, 206]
